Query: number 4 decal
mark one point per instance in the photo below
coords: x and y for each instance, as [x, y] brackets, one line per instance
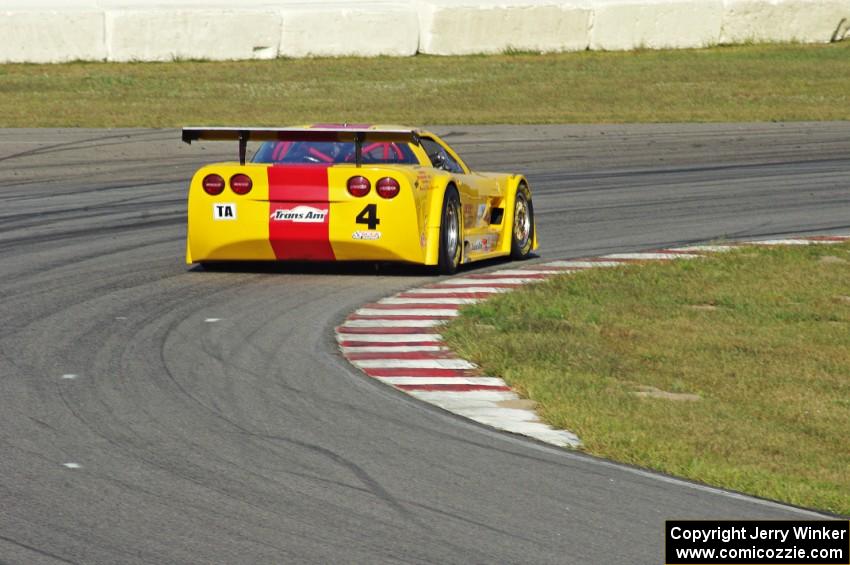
[369, 216]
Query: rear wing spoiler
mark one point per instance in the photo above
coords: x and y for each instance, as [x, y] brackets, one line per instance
[244, 135]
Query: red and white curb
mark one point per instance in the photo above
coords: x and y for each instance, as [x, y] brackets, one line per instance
[397, 339]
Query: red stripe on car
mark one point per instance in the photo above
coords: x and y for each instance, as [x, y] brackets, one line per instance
[299, 213]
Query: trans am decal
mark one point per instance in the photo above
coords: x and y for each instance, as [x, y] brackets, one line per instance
[300, 214]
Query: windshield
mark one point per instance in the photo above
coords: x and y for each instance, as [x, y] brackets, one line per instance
[330, 152]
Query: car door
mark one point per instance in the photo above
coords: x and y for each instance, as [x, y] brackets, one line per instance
[478, 194]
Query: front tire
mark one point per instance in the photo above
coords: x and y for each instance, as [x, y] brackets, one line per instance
[522, 230]
[451, 233]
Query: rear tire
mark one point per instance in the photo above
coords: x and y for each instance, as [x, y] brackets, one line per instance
[451, 233]
[522, 229]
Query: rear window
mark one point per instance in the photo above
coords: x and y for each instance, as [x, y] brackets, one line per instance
[333, 152]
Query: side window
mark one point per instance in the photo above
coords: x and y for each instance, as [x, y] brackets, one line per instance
[439, 157]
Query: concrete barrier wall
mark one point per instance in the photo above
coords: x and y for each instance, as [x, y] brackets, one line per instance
[776, 20]
[156, 30]
[656, 24]
[167, 34]
[456, 27]
[346, 28]
[52, 36]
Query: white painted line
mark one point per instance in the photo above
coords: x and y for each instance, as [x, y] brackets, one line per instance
[120, 317]
[525, 428]
[705, 248]
[72, 465]
[481, 289]
[402, 301]
[405, 312]
[512, 280]
[413, 364]
[649, 256]
[585, 264]
[455, 402]
[212, 320]
[521, 272]
[778, 242]
[560, 438]
[392, 323]
[809, 242]
[500, 414]
[436, 397]
[393, 349]
[487, 381]
[543, 433]
[389, 338]
[547, 268]
[69, 376]
[482, 407]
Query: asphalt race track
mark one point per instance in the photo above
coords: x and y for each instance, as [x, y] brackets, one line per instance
[208, 417]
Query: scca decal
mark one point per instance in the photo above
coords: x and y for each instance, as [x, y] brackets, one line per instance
[366, 235]
[300, 214]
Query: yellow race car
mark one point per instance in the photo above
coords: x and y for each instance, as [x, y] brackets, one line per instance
[341, 192]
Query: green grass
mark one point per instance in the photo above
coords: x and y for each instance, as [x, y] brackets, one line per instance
[761, 336]
[746, 83]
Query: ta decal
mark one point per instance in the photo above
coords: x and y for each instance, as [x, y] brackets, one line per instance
[224, 211]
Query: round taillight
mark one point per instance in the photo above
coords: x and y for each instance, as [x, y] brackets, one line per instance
[359, 186]
[387, 187]
[213, 184]
[241, 184]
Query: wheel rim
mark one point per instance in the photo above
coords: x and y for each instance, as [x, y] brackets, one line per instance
[522, 222]
[452, 230]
